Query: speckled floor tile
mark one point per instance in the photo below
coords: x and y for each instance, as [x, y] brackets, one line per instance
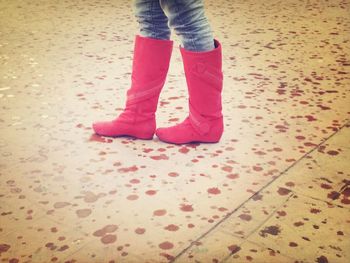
[221, 246]
[213, 248]
[66, 64]
[324, 174]
[41, 241]
[251, 252]
[310, 230]
[21, 214]
[247, 219]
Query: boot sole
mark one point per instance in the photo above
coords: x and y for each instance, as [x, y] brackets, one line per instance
[126, 136]
[191, 142]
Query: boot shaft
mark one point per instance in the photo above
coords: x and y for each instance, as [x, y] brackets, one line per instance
[204, 79]
[151, 59]
[149, 70]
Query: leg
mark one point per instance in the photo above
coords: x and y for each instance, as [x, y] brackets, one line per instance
[188, 19]
[152, 21]
[203, 71]
[150, 65]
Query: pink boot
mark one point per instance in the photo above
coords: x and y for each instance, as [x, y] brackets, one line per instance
[204, 80]
[149, 70]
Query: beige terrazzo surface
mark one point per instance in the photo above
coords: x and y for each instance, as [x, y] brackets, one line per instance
[276, 188]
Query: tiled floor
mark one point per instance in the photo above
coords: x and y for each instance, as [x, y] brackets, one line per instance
[276, 188]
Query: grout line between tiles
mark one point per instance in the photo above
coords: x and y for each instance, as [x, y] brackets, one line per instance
[76, 251]
[271, 215]
[261, 224]
[347, 122]
[293, 193]
[15, 230]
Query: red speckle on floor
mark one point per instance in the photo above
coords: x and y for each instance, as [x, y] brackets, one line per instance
[234, 249]
[151, 192]
[160, 157]
[245, 217]
[105, 229]
[60, 204]
[257, 168]
[333, 153]
[133, 168]
[83, 212]
[108, 239]
[290, 184]
[315, 210]
[166, 245]
[283, 191]
[132, 197]
[293, 244]
[186, 208]
[227, 169]
[4, 248]
[184, 150]
[140, 230]
[171, 227]
[135, 181]
[214, 191]
[97, 138]
[232, 176]
[159, 212]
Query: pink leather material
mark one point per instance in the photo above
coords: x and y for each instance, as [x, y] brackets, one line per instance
[204, 78]
[149, 69]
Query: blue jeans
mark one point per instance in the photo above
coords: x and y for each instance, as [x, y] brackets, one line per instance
[186, 17]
